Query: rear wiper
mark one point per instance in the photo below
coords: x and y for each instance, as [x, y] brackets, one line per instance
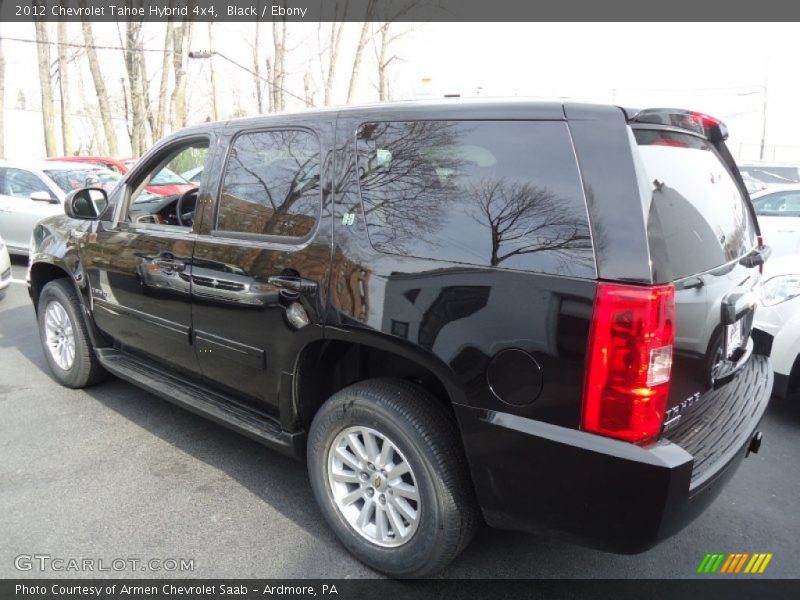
[756, 258]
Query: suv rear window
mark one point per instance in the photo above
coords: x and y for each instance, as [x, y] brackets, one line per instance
[694, 202]
[498, 194]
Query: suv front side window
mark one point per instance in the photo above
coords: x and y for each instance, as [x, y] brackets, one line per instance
[148, 203]
[271, 184]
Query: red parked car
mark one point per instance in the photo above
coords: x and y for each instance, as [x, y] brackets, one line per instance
[164, 183]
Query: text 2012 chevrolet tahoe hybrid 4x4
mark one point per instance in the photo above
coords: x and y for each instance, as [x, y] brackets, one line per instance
[537, 313]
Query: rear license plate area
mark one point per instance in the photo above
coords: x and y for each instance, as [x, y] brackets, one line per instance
[736, 335]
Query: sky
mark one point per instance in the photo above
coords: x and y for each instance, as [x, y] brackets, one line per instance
[727, 70]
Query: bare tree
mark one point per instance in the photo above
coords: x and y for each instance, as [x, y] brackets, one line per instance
[214, 99]
[96, 144]
[163, 99]
[147, 105]
[359, 55]
[523, 218]
[46, 86]
[133, 68]
[400, 186]
[385, 36]
[63, 88]
[277, 69]
[334, 42]
[100, 88]
[308, 89]
[257, 75]
[2, 99]
[181, 38]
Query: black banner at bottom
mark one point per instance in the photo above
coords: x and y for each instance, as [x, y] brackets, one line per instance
[358, 589]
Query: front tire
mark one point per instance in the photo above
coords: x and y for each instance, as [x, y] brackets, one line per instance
[388, 471]
[65, 341]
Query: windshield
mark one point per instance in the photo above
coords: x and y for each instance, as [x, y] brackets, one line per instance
[697, 213]
[167, 177]
[75, 179]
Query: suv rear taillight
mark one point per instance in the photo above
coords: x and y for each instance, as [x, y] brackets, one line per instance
[629, 361]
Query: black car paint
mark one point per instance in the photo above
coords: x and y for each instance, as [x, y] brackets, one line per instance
[452, 320]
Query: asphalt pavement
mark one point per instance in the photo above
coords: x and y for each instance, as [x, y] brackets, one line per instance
[114, 473]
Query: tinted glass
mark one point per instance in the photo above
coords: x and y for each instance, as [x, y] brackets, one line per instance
[780, 204]
[271, 184]
[499, 194]
[19, 183]
[694, 202]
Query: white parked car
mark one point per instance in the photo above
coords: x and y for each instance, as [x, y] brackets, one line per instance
[5, 269]
[778, 210]
[778, 316]
[31, 191]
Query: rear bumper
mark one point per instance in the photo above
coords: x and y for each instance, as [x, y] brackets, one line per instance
[603, 493]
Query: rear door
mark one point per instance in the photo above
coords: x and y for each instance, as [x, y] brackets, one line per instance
[702, 236]
[260, 267]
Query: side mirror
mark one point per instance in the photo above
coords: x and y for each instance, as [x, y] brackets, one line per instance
[43, 197]
[86, 203]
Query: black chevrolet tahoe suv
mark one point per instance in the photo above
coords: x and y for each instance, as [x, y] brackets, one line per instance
[532, 314]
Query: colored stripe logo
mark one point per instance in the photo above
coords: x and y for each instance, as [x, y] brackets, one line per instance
[737, 562]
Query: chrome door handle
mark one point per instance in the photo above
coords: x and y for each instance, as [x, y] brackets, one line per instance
[295, 284]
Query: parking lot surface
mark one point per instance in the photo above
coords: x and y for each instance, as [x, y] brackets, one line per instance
[112, 472]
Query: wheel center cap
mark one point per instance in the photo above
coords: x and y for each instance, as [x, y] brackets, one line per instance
[377, 482]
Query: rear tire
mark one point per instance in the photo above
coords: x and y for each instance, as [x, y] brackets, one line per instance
[65, 341]
[417, 521]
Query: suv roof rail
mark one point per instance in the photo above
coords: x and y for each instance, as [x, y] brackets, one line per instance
[696, 122]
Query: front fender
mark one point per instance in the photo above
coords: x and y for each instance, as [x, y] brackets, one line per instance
[55, 253]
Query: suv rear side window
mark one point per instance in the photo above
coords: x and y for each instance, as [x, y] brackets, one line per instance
[271, 184]
[489, 193]
[695, 204]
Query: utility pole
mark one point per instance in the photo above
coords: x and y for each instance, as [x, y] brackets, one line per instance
[764, 111]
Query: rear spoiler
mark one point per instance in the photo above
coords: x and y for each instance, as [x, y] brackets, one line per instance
[710, 128]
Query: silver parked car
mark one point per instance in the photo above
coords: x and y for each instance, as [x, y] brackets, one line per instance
[5, 269]
[31, 191]
[778, 210]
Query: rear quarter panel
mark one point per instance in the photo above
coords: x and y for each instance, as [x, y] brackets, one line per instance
[460, 319]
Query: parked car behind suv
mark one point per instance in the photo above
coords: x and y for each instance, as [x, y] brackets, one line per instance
[777, 322]
[535, 312]
[778, 210]
[165, 183]
[30, 191]
[5, 269]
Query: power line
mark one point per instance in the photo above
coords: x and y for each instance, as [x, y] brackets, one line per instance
[277, 87]
[74, 45]
[156, 50]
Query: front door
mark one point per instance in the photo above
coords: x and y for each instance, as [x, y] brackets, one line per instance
[140, 265]
[261, 263]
